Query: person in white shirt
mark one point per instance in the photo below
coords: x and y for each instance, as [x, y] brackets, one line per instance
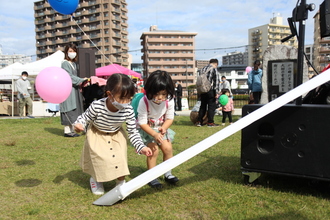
[24, 99]
[155, 116]
[225, 85]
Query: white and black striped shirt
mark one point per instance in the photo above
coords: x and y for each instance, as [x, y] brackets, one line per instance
[106, 121]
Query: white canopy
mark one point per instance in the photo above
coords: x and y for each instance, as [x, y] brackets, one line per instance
[15, 70]
[6, 73]
[35, 68]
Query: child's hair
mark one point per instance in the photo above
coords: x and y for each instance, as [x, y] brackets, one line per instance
[224, 91]
[158, 81]
[120, 83]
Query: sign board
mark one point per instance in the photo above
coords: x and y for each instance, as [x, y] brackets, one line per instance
[184, 102]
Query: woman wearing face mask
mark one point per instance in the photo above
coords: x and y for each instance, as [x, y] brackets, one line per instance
[72, 107]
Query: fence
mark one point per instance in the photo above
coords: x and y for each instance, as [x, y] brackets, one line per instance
[239, 99]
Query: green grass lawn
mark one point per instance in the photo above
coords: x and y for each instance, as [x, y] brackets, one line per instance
[41, 179]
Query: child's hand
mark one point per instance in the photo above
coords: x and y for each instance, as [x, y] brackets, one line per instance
[162, 130]
[78, 127]
[158, 137]
[146, 151]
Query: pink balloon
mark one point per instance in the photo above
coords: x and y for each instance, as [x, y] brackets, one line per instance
[248, 69]
[54, 84]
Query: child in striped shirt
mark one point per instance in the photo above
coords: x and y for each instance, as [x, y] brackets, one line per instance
[104, 155]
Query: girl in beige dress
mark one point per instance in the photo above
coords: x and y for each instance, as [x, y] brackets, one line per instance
[104, 155]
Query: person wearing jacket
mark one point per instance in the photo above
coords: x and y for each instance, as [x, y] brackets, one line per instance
[72, 107]
[23, 94]
[254, 81]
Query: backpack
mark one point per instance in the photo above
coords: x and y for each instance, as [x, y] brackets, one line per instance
[136, 100]
[203, 84]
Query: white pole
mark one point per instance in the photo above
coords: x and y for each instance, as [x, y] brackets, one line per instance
[120, 192]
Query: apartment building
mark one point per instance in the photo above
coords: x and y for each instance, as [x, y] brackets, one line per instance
[260, 38]
[235, 58]
[171, 51]
[321, 46]
[95, 24]
[201, 63]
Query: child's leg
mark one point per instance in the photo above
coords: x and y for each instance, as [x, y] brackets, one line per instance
[167, 150]
[152, 160]
[230, 117]
[120, 180]
[224, 116]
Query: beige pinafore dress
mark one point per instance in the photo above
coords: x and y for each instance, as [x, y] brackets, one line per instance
[104, 154]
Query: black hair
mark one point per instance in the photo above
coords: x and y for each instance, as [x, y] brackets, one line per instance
[257, 62]
[223, 91]
[214, 61]
[223, 77]
[120, 83]
[25, 73]
[158, 81]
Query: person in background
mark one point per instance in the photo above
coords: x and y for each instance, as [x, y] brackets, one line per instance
[72, 107]
[208, 100]
[178, 95]
[23, 86]
[254, 81]
[225, 85]
[228, 108]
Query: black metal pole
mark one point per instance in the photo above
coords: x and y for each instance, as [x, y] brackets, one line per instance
[301, 45]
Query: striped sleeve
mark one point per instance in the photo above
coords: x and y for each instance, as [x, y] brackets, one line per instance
[133, 134]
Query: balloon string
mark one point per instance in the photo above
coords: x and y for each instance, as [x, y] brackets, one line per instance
[119, 71]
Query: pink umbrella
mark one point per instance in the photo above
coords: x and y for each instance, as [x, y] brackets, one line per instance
[115, 68]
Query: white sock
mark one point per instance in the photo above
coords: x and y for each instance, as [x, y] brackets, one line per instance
[67, 129]
[169, 175]
[120, 182]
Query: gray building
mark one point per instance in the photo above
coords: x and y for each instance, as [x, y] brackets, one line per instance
[236, 58]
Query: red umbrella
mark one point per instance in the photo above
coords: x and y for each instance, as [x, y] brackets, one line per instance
[115, 68]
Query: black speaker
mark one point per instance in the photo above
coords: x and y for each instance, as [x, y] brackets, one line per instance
[292, 140]
[86, 62]
[325, 18]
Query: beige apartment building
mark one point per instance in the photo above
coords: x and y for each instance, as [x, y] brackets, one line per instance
[321, 46]
[171, 51]
[260, 38]
[96, 24]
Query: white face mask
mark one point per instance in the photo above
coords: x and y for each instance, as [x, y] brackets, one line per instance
[157, 101]
[24, 77]
[118, 105]
[72, 55]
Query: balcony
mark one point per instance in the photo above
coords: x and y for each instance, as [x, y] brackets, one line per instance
[83, 4]
[49, 50]
[59, 41]
[115, 2]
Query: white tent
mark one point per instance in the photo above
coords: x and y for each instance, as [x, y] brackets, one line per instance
[15, 70]
[34, 68]
[6, 73]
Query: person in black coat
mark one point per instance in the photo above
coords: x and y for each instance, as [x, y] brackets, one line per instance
[178, 95]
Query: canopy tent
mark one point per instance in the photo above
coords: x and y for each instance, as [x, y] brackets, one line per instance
[15, 70]
[115, 68]
[35, 68]
[6, 73]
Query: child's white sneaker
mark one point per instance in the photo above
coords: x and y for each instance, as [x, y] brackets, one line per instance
[96, 187]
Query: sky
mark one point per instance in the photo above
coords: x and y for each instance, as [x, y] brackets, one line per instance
[219, 24]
